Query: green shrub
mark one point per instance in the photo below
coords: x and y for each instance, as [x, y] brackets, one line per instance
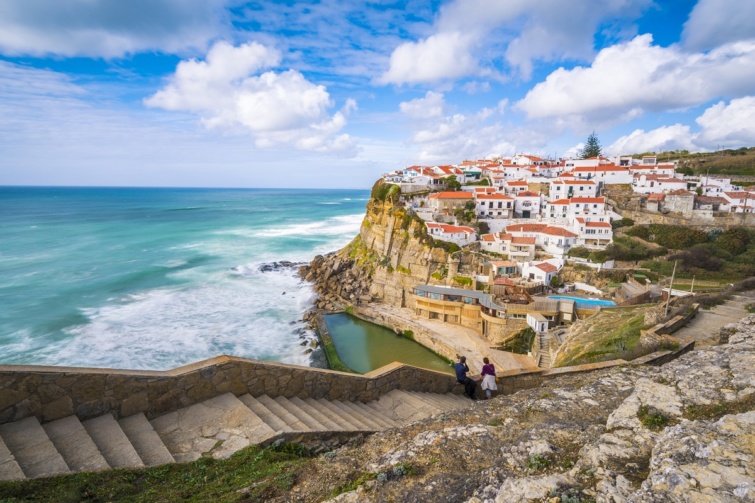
[403, 270]
[462, 281]
[651, 419]
[579, 252]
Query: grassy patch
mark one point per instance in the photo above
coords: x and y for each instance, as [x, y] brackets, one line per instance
[652, 419]
[719, 409]
[357, 480]
[538, 462]
[252, 474]
[611, 334]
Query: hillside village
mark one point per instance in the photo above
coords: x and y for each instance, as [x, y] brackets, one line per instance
[524, 203]
[525, 215]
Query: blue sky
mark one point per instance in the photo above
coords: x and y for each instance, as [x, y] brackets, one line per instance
[334, 93]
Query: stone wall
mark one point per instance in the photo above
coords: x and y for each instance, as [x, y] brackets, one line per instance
[54, 392]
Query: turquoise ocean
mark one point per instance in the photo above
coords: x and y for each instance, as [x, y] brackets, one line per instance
[154, 278]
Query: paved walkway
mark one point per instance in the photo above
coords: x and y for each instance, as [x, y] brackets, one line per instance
[464, 341]
[706, 326]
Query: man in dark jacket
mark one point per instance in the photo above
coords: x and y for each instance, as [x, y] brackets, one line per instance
[470, 385]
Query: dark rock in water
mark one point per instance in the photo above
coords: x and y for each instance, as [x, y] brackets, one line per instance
[317, 359]
[284, 293]
[280, 266]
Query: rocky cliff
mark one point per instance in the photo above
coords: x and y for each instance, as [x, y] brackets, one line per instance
[683, 431]
[391, 254]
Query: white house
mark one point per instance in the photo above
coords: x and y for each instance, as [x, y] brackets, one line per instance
[607, 174]
[551, 238]
[741, 202]
[590, 208]
[454, 233]
[527, 204]
[650, 184]
[564, 188]
[593, 234]
[514, 187]
[494, 205]
[518, 249]
[541, 272]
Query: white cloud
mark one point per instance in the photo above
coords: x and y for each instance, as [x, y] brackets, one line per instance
[721, 125]
[629, 78]
[56, 131]
[275, 107]
[431, 106]
[715, 22]
[438, 57]
[729, 125]
[676, 137]
[442, 136]
[102, 28]
[517, 31]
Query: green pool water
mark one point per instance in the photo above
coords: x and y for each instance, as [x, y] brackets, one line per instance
[364, 346]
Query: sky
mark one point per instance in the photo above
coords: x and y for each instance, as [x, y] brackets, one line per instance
[332, 94]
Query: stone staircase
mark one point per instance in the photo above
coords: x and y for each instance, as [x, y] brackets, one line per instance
[217, 427]
[544, 358]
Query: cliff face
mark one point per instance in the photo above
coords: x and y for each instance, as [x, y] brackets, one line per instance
[391, 254]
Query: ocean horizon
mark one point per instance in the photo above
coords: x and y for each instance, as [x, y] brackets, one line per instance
[159, 277]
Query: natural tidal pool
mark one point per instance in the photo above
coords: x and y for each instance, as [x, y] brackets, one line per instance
[364, 346]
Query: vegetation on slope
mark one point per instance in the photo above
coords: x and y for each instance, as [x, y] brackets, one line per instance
[252, 475]
[611, 334]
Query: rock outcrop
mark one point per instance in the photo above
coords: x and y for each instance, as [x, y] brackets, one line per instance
[683, 431]
[391, 254]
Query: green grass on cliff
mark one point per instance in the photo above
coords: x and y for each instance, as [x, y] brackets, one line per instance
[611, 334]
[250, 475]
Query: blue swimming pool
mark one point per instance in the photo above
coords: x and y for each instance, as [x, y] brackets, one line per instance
[585, 302]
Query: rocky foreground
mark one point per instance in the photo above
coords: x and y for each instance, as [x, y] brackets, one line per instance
[684, 431]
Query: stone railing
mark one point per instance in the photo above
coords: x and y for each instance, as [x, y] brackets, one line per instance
[54, 392]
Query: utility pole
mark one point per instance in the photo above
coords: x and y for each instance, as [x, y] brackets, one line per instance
[670, 289]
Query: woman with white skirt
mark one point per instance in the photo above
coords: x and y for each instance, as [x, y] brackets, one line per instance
[488, 378]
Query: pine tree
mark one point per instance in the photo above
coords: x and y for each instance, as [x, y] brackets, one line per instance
[592, 148]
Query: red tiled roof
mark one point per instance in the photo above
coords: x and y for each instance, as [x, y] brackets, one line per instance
[602, 167]
[502, 263]
[451, 195]
[522, 241]
[494, 196]
[517, 183]
[560, 201]
[488, 237]
[450, 229]
[547, 267]
[598, 224]
[587, 200]
[526, 227]
[528, 193]
[558, 231]
[654, 197]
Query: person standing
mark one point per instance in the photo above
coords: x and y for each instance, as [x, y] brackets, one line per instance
[488, 378]
[470, 386]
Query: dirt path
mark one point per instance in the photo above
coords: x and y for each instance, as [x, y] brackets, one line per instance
[705, 327]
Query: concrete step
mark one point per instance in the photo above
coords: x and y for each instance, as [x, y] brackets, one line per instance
[358, 415]
[423, 403]
[331, 413]
[291, 420]
[32, 449]
[75, 445]
[459, 400]
[445, 402]
[305, 418]
[218, 426]
[9, 469]
[270, 419]
[431, 399]
[386, 413]
[112, 442]
[315, 413]
[146, 442]
[376, 416]
[347, 414]
[405, 407]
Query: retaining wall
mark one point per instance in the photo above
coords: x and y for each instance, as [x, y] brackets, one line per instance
[54, 392]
